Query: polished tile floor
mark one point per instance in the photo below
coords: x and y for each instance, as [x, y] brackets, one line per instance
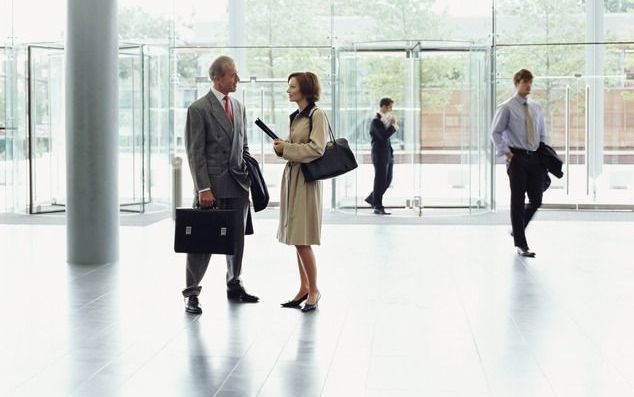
[407, 310]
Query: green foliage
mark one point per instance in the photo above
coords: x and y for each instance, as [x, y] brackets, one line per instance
[137, 25]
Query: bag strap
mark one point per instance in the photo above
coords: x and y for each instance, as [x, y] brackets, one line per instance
[310, 123]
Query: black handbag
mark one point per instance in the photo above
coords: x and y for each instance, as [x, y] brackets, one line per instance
[336, 160]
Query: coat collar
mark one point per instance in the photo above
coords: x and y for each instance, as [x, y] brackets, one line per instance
[305, 112]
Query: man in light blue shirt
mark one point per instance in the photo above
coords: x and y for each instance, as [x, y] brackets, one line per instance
[517, 131]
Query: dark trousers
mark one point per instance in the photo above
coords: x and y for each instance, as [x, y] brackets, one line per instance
[526, 177]
[382, 180]
[197, 263]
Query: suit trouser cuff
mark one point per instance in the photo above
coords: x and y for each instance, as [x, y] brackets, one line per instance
[191, 291]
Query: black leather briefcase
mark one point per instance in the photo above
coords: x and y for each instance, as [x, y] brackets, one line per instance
[206, 231]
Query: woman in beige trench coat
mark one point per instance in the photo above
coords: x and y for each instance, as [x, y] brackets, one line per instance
[301, 201]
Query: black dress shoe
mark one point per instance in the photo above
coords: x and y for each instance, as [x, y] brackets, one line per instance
[525, 252]
[381, 211]
[238, 294]
[192, 305]
[309, 308]
[296, 302]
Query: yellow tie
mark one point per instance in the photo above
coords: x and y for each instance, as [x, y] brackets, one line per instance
[530, 131]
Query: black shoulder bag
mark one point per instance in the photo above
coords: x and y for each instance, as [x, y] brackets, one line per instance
[336, 160]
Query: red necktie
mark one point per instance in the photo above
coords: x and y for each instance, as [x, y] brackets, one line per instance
[228, 109]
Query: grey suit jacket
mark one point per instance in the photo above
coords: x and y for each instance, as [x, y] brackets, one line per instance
[215, 147]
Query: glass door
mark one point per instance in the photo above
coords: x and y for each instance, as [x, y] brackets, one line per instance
[365, 75]
[46, 130]
[452, 156]
[441, 150]
[157, 127]
[133, 129]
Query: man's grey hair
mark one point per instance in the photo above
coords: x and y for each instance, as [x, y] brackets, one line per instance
[217, 67]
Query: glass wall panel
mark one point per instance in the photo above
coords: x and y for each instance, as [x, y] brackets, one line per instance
[540, 21]
[158, 175]
[46, 129]
[4, 156]
[588, 120]
[354, 21]
[143, 116]
[132, 136]
[285, 22]
[142, 21]
[619, 20]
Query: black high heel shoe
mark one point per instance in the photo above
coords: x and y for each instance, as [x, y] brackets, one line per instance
[308, 307]
[296, 302]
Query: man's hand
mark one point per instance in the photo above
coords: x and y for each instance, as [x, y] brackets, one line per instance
[278, 146]
[509, 156]
[206, 199]
[393, 120]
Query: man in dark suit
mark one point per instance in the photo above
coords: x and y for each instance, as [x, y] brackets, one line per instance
[383, 126]
[215, 139]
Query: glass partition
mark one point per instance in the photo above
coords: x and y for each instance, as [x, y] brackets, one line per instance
[46, 129]
[143, 127]
[589, 121]
[441, 102]
[157, 114]
[133, 137]
[4, 144]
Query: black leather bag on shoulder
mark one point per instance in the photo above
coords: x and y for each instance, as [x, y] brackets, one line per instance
[336, 160]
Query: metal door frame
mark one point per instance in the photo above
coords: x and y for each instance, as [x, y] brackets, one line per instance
[29, 130]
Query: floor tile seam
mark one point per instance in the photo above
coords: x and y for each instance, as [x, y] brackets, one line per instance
[99, 268]
[335, 350]
[371, 353]
[241, 360]
[591, 341]
[277, 359]
[40, 371]
[153, 356]
[602, 355]
[233, 369]
[474, 341]
[112, 361]
[535, 359]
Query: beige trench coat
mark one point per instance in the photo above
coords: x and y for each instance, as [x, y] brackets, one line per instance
[301, 201]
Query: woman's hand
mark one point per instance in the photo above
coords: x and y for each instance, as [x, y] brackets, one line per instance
[278, 146]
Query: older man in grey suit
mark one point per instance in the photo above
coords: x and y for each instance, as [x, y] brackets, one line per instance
[215, 138]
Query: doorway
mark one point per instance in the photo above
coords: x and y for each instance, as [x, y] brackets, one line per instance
[441, 99]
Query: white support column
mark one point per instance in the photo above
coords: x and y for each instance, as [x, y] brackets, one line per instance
[92, 132]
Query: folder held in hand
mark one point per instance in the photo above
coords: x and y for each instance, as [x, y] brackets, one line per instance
[266, 129]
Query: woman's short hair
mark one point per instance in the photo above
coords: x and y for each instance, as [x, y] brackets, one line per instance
[522, 74]
[308, 85]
